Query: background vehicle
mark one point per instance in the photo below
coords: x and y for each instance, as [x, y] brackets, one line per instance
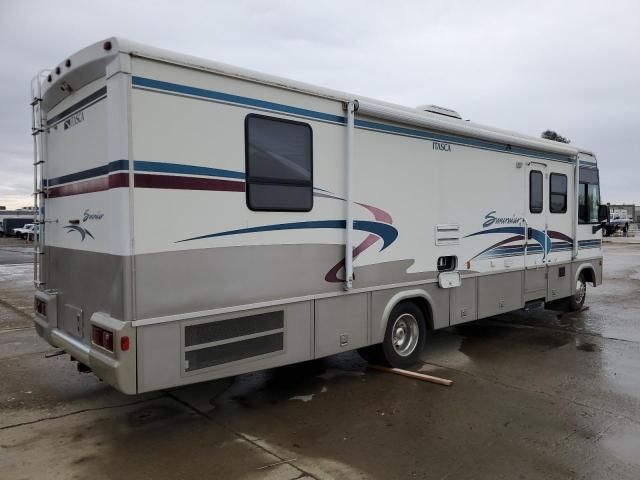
[616, 223]
[305, 221]
[7, 224]
[26, 232]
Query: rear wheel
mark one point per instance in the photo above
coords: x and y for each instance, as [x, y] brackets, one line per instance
[404, 338]
[576, 301]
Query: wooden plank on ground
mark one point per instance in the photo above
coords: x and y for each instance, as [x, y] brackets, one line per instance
[415, 375]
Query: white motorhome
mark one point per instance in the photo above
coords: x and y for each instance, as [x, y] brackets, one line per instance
[304, 221]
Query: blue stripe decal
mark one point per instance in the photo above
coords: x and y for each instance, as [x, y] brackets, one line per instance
[90, 173]
[226, 97]
[143, 82]
[144, 166]
[516, 230]
[118, 165]
[519, 248]
[594, 243]
[386, 232]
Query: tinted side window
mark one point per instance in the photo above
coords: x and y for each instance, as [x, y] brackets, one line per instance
[557, 193]
[279, 164]
[535, 191]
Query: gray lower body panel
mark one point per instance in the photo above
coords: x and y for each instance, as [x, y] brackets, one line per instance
[189, 349]
[206, 279]
[88, 282]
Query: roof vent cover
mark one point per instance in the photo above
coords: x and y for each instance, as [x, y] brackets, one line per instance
[447, 112]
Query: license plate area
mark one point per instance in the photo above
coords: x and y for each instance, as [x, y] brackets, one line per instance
[73, 320]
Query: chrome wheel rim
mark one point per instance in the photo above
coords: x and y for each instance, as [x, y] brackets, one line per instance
[581, 290]
[404, 334]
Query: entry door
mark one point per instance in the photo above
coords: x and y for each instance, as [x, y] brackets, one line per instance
[536, 242]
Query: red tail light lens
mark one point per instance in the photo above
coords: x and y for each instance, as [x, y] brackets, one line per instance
[96, 335]
[107, 340]
[124, 344]
[101, 337]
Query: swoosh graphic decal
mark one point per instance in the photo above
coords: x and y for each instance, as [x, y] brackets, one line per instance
[538, 235]
[82, 231]
[508, 240]
[386, 232]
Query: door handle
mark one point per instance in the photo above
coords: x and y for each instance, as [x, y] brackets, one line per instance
[529, 233]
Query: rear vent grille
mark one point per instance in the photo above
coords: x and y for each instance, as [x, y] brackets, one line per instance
[234, 327]
[216, 343]
[231, 352]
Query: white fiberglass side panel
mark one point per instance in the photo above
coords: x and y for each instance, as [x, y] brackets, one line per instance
[78, 207]
[77, 141]
[80, 222]
[180, 141]
[421, 185]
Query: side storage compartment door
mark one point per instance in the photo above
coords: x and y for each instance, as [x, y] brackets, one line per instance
[559, 281]
[499, 293]
[463, 302]
[341, 324]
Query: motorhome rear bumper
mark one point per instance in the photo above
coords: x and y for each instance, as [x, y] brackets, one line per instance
[118, 368]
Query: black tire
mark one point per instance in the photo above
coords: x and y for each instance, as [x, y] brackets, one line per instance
[403, 349]
[576, 301]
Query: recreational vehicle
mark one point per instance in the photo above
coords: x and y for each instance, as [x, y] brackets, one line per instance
[305, 221]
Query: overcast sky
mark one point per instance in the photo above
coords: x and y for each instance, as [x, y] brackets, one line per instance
[527, 66]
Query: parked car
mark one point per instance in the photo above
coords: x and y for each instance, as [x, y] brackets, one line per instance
[27, 232]
[616, 223]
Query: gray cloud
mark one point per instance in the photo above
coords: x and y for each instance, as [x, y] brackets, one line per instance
[524, 66]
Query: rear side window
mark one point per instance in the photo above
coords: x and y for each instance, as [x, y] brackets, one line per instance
[557, 193]
[535, 191]
[279, 164]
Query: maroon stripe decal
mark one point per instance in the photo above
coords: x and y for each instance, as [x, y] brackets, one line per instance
[115, 180]
[186, 183]
[88, 186]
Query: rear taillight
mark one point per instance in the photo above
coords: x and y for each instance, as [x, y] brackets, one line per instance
[124, 344]
[40, 307]
[103, 338]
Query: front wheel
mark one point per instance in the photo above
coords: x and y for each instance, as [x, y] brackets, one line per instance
[576, 301]
[403, 340]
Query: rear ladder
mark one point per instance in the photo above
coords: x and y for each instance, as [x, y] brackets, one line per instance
[38, 127]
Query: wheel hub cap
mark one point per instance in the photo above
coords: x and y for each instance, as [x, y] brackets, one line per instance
[405, 334]
[581, 290]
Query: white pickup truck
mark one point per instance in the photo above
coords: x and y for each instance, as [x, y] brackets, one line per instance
[27, 232]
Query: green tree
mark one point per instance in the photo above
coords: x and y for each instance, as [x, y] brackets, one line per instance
[551, 135]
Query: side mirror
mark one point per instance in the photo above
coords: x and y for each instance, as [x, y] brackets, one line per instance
[603, 213]
[603, 218]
